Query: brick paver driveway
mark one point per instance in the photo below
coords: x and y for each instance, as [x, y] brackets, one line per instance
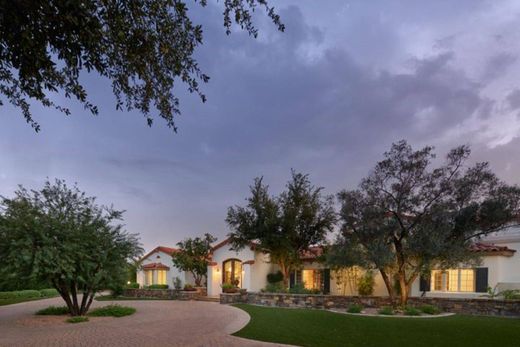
[156, 323]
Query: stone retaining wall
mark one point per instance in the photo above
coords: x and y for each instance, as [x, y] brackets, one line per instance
[166, 294]
[480, 306]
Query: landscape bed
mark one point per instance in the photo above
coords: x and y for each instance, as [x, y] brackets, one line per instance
[308, 327]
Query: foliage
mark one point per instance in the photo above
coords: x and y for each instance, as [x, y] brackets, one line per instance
[143, 48]
[132, 285]
[53, 311]
[112, 311]
[157, 286]
[406, 217]
[193, 255]
[347, 278]
[189, 288]
[492, 293]
[49, 292]
[277, 287]
[177, 283]
[386, 311]
[275, 277]
[116, 289]
[411, 311]
[310, 327]
[123, 298]
[77, 319]
[23, 294]
[366, 284]
[283, 226]
[430, 309]
[354, 308]
[299, 288]
[61, 235]
[510, 294]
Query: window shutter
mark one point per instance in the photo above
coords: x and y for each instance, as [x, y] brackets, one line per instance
[326, 281]
[292, 279]
[481, 282]
[424, 283]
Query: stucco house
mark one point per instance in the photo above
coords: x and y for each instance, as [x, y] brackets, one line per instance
[157, 267]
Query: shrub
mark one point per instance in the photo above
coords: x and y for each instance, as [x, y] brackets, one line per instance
[53, 311]
[21, 294]
[112, 311]
[177, 283]
[354, 308]
[48, 292]
[430, 309]
[132, 285]
[386, 310]
[275, 277]
[510, 294]
[189, 287]
[411, 311]
[275, 288]
[229, 288]
[77, 319]
[157, 286]
[366, 284]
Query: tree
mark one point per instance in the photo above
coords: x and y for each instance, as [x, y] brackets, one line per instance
[60, 235]
[193, 256]
[407, 217]
[143, 47]
[283, 226]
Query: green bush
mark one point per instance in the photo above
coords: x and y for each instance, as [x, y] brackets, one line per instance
[386, 310]
[49, 292]
[510, 294]
[157, 286]
[430, 309]
[275, 277]
[112, 311]
[274, 288]
[354, 308]
[53, 311]
[20, 294]
[299, 288]
[132, 285]
[411, 311]
[366, 284]
[177, 283]
[77, 319]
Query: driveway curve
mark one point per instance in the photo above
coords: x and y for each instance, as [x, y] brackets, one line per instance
[156, 323]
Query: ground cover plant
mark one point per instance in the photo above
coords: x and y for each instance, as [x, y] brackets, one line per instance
[307, 327]
[53, 311]
[112, 311]
[77, 319]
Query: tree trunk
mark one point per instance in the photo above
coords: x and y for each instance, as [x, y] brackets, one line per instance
[286, 273]
[90, 301]
[388, 285]
[404, 289]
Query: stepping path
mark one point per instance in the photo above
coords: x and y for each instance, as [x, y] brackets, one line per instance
[156, 323]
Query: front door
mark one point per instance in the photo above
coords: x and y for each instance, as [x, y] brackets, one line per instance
[232, 273]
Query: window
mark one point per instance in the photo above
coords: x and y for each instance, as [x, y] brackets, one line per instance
[454, 280]
[311, 279]
[232, 272]
[161, 277]
[149, 277]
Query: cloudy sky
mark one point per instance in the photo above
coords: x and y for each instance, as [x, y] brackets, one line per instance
[327, 97]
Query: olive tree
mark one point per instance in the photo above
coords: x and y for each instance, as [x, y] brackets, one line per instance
[193, 256]
[407, 216]
[62, 236]
[142, 47]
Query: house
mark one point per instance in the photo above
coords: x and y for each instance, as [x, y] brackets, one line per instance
[249, 268]
[157, 267]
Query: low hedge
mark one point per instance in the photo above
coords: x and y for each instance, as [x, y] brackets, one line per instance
[29, 294]
[157, 286]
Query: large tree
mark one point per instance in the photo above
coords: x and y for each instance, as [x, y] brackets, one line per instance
[408, 217]
[61, 236]
[283, 226]
[143, 47]
[193, 256]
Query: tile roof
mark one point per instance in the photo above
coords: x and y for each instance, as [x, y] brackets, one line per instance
[490, 248]
[312, 253]
[167, 250]
[155, 266]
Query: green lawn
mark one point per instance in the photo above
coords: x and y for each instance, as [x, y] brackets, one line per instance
[10, 301]
[305, 327]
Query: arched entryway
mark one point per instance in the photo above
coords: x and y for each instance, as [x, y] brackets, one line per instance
[232, 272]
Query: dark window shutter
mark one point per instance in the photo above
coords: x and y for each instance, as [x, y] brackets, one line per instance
[424, 284]
[292, 279]
[326, 281]
[481, 279]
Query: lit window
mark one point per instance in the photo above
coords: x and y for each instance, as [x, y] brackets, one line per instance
[453, 280]
[149, 277]
[161, 276]
[311, 279]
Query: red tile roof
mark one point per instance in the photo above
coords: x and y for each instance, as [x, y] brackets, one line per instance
[312, 253]
[491, 248]
[167, 250]
[155, 266]
[227, 241]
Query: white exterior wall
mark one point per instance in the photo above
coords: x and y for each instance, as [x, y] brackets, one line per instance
[379, 285]
[166, 259]
[254, 277]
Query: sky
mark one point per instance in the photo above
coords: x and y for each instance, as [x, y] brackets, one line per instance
[327, 97]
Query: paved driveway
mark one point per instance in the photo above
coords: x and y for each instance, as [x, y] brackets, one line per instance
[156, 323]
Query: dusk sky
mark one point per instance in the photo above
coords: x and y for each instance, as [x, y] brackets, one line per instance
[327, 97]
